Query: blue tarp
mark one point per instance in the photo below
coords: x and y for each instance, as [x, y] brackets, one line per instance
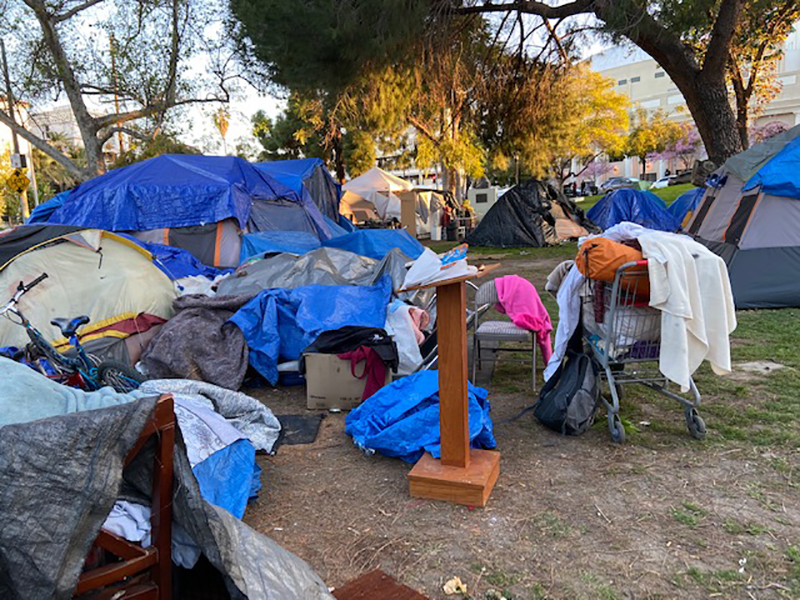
[402, 419]
[377, 243]
[176, 262]
[294, 242]
[685, 203]
[278, 323]
[307, 177]
[43, 212]
[374, 243]
[780, 176]
[230, 477]
[172, 190]
[636, 206]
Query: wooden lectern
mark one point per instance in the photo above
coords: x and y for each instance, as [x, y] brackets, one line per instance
[463, 475]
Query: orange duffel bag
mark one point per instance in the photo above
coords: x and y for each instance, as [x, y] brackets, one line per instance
[599, 258]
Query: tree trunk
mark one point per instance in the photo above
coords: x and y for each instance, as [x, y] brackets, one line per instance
[741, 124]
[707, 101]
[338, 157]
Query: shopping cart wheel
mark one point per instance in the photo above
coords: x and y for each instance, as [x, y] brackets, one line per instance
[695, 424]
[617, 429]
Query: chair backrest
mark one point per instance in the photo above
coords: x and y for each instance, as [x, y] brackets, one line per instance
[486, 294]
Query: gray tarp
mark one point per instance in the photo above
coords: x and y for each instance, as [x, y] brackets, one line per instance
[198, 343]
[246, 414]
[748, 163]
[327, 266]
[59, 478]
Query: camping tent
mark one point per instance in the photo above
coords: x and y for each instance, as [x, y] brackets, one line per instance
[105, 276]
[683, 207]
[378, 195]
[636, 206]
[307, 177]
[530, 214]
[199, 203]
[377, 188]
[750, 216]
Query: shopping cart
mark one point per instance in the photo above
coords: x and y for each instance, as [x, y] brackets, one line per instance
[623, 333]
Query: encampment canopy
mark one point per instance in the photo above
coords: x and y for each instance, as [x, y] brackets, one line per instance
[199, 203]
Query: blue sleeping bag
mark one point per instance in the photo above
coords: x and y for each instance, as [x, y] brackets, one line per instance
[402, 419]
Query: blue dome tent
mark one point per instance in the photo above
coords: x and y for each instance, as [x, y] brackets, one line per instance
[199, 203]
[636, 206]
[684, 205]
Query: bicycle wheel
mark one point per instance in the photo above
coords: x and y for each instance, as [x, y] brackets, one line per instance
[122, 378]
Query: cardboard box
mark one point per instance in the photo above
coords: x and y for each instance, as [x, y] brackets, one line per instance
[329, 383]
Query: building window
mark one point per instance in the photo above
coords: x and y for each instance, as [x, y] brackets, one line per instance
[481, 198]
[622, 82]
[659, 74]
[635, 79]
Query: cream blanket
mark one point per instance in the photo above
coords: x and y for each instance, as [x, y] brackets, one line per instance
[689, 284]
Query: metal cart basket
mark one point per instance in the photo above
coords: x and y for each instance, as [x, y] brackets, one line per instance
[623, 333]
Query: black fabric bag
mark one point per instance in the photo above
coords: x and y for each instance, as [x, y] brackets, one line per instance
[569, 399]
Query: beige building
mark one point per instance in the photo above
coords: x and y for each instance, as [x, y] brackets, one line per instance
[648, 86]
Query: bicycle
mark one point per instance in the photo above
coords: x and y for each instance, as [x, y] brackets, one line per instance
[79, 371]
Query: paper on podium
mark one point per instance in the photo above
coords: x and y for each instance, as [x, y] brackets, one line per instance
[428, 269]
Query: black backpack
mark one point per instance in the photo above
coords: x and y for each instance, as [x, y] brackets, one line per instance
[569, 399]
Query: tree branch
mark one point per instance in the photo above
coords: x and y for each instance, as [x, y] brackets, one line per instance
[718, 50]
[423, 129]
[42, 145]
[570, 9]
[75, 10]
[148, 111]
[109, 133]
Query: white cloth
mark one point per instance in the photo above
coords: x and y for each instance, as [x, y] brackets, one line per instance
[131, 521]
[568, 298]
[689, 284]
[401, 328]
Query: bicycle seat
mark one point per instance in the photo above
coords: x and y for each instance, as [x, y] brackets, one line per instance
[68, 327]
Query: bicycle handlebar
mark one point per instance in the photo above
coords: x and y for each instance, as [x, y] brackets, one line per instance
[36, 281]
[23, 289]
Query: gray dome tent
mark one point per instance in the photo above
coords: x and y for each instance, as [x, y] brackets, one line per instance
[750, 216]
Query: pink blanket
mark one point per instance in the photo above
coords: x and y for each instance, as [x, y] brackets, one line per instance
[520, 301]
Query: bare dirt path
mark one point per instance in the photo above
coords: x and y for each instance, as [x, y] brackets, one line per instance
[664, 516]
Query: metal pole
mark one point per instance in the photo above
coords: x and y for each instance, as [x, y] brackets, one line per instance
[116, 95]
[23, 197]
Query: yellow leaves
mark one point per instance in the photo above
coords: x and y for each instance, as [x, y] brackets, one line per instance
[222, 120]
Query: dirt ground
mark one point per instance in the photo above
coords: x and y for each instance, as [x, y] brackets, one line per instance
[664, 516]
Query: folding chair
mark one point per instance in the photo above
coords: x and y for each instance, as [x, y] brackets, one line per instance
[498, 331]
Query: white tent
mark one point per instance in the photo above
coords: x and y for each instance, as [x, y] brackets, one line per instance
[377, 187]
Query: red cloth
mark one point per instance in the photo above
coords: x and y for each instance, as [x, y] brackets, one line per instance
[374, 368]
[519, 299]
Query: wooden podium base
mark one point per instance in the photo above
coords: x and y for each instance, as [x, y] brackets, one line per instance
[431, 480]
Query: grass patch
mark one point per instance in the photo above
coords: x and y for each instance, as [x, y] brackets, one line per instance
[735, 527]
[667, 194]
[550, 524]
[690, 514]
[714, 581]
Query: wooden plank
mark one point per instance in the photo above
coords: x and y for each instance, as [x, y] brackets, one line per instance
[451, 310]
[373, 585]
[483, 270]
[432, 480]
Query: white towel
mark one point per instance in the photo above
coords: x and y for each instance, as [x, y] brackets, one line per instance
[689, 284]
